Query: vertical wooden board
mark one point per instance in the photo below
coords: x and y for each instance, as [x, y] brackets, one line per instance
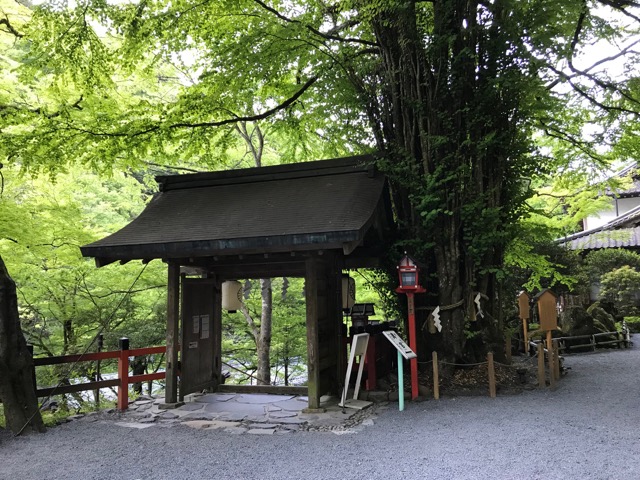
[330, 340]
[547, 310]
[492, 375]
[199, 339]
[173, 312]
[541, 381]
[313, 360]
[523, 305]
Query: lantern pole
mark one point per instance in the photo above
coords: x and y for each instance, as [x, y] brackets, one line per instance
[410, 284]
[413, 344]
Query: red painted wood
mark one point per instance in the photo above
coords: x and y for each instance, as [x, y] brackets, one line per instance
[412, 344]
[146, 377]
[88, 357]
[123, 376]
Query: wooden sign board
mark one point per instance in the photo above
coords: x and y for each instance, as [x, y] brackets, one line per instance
[547, 310]
[523, 305]
[397, 342]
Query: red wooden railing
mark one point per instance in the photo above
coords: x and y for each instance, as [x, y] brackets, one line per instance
[122, 382]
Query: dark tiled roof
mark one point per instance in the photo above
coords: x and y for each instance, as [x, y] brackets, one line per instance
[619, 238]
[621, 232]
[311, 205]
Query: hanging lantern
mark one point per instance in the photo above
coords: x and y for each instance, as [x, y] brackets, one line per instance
[348, 292]
[408, 275]
[231, 296]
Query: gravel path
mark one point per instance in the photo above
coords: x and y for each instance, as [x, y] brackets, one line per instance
[587, 429]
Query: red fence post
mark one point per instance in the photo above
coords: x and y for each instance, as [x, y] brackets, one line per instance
[123, 375]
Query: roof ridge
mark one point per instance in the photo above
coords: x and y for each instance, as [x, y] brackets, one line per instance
[620, 219]
[353, 164]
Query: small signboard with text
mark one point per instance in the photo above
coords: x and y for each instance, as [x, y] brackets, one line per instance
[400, 345]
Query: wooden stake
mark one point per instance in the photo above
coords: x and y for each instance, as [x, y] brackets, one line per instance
[492, 375]
[541, 382]
[556, 359]
[552, 375]
[526, 335]
[436, 377]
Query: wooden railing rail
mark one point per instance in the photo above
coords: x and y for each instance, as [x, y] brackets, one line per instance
[122, 382]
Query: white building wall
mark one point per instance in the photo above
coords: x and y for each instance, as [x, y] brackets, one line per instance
[618, 207]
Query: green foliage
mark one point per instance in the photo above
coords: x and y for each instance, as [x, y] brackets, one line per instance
[466, 99]
[601, 262]
[633, 323]
[288, 344]
[621, 287]
[65, 301]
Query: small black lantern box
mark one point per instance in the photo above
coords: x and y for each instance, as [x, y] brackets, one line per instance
[360, 313]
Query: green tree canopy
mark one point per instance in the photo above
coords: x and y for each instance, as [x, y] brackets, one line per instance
[464, 99]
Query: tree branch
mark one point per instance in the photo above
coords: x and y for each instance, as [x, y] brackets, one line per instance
[10, 28]
[620, 5]
[327, 36]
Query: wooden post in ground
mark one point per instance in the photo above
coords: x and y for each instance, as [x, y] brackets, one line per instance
[123, 375]
[173, 333]
[313, 350]
[436, 376]
[541, 381]
[492, 375]
[556, 359]
[550, 361]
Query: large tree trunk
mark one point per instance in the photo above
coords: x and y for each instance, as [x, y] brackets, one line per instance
[451, 135]
[16, 365]
[264, 342]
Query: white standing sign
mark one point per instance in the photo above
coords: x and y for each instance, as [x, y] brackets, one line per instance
[358, 349]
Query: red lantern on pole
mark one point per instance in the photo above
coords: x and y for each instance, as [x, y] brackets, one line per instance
[408, 274]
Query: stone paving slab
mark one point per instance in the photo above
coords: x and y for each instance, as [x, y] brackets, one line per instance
[215, 397]
[262, 425]
[191, 407]
[201, 416]
[257, 414]
[292, 405]
[263, 398]
[281, 414]
[234, 407]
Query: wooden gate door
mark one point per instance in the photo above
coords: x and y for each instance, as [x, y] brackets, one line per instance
[201, 336]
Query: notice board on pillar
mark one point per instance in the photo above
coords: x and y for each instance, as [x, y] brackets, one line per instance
[547, 310]
[200, 357]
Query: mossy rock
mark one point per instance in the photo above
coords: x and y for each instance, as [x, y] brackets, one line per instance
[577, 321]
[602, 320]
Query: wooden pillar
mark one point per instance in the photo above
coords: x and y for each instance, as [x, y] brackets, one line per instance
[313, 352]
[173, 333]
[436, 379]
[541, 381]
[552, 375]
[556, 359]
[492, 375]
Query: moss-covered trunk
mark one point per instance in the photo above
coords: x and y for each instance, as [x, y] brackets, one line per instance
[16, 365]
